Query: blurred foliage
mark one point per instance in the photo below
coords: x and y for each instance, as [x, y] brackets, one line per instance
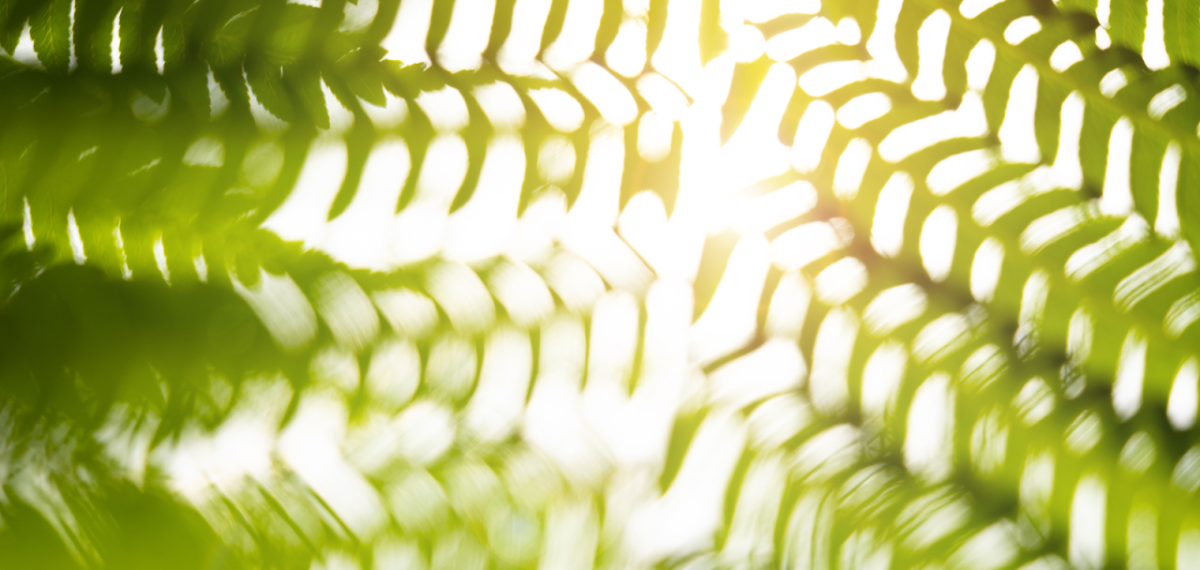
[146, 309]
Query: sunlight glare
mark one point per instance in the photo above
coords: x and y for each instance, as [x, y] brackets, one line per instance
[816, 33]
[394, 372]
[746, 44]
[1131, 371]
[1154, 46]
[809, 242]
[409, 313]
[954, 171]
[406, 40]
[1112, 82]
[359, 235]
[1086, 541]
[302, 215]
[1018, 141]
[610, 97]
[841, 281]
[929, 441]
[561, 110]
[894, 307]
[1065, 55]
[518, 54]
[829, 77]
[776, 367]
[863, 109]
[754, 152]
[1021, 28]
[501, 105]
[882, 43]
[789, 306]
[769, 210]
[1165, 100]
[575, 41]
[627, 54]
[966, 121]
[811, 136]
[851, 167]
[654, 136]
[664, 97]
[891, 212]
[522, 293]
[1182, 404]
[828, 453]
[729, 321]
[556, 160]
[482, 227]
[828, 383]
[882, 377]
[776, 420]
[494, 411]
[467, 36]
[446, 109]
[979, 64]
[931, 43]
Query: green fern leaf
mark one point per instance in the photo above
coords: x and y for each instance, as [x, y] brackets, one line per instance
[51, 33]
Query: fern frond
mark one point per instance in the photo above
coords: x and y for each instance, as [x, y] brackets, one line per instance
[917, 291]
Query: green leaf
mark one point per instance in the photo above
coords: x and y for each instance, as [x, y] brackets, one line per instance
[227, 48]
[1127, 22]
[51, 32]
[1181, 30]
[171, 317]
[291, 37]
[305, 83]
[266, 81]
[189, 89]
[13, 15]
[368, 85]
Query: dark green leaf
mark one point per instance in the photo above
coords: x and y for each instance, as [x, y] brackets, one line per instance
[51, 33]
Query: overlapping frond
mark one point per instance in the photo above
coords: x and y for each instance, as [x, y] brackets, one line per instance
[913, 283]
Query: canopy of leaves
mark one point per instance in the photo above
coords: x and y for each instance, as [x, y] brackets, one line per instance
[585, 283]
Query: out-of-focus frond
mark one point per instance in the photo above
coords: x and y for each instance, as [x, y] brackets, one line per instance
[616, 284]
